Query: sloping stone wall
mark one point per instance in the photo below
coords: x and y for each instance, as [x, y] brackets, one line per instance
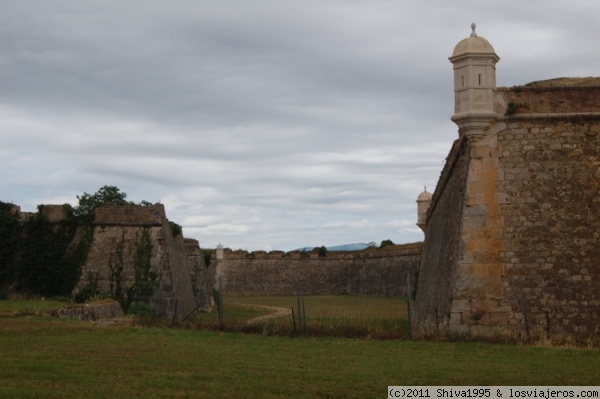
[183, 284]
[202, 276]
[438, 266]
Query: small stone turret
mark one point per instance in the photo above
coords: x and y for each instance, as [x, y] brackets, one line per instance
[423, 202]
[220, 251]
[474, 61]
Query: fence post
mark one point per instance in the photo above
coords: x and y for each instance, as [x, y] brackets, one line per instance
[301, 310]
[547, 324]
[524, 307]
[175, 312]
[294, 320]
[221, 321]
[409, 304]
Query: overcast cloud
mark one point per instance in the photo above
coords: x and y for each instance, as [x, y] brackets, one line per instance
[265, 125]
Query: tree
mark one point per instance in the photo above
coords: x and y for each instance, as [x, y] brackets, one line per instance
[322, 250]
[107, 195]
[386, 243]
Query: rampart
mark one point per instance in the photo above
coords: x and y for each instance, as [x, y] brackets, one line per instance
[513, 229]
[569, 102]
[130, 215]
[100, 257]
[183, 284]
[378, 272]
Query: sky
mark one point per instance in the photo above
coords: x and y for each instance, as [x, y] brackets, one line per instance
[260, 124]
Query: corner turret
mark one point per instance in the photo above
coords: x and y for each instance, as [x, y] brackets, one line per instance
[423, 202]
[474, 61]
[220, 251]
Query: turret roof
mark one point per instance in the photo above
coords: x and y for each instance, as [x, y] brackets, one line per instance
[424, 196]
[472, 45]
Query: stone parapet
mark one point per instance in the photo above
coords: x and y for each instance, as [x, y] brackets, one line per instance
[551, 100]
[130, 215]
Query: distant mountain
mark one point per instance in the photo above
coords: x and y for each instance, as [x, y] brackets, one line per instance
[349, 247]
[344, 247]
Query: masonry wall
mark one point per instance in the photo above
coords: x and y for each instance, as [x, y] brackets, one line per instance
[512, 237]
[202, 276]
[552, 225]
[372, 272]
[183, 282]
[552, 100]
[438, 265]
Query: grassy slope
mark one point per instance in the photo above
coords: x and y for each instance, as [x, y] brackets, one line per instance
[50, 358]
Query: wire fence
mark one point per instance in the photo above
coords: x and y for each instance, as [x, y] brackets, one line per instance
[297, 310]
[298, 313]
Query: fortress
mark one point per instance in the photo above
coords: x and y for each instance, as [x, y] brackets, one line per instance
[512, 231]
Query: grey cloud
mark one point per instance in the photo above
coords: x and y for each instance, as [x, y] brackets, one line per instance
[263, 125]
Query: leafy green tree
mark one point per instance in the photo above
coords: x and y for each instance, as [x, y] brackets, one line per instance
[386, 243]
[322, 250]
[107, 195]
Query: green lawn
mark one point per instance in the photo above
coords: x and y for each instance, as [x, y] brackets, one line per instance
[27, 307]
[334, 306]
[44, 357]
[333, 315]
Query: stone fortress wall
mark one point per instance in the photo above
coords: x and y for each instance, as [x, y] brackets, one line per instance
[184, 280]
[377, 272]
[184, 285]
[513, 230]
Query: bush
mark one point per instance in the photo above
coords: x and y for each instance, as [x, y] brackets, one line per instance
[88, 292]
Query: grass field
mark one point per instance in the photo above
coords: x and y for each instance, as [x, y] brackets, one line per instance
[333, 315]
[25, 307]
[44, 357]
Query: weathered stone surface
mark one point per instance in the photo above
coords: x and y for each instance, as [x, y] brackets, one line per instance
[527, 215]
[374, 272]
[511, 239]
[99, 311]
[183, 285]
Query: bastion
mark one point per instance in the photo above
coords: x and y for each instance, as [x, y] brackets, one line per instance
[183, 279]
[513, 227]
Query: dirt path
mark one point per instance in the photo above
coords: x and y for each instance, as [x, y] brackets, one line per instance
[277, 312]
